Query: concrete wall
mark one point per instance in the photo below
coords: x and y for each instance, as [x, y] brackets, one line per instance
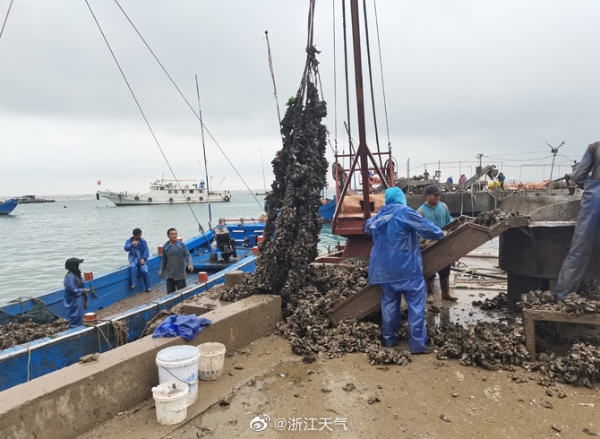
[71, 401]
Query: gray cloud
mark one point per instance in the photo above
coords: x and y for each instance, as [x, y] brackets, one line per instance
[462, 77]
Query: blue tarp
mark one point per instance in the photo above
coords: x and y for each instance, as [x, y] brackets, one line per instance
[187, 326]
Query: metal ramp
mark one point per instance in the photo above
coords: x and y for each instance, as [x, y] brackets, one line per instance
[463, 237]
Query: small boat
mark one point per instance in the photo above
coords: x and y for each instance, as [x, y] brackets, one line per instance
[327, 209]
[8, 206]
[167, 192]
[220, 250]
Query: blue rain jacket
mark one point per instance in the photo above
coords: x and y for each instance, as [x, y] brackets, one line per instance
[137, 252]
[187, 326]
[73, 301]
[396, 255]
[585, 238]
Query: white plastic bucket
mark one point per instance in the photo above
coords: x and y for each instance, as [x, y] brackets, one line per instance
[172, 408]
[179, 363]
[212, 359]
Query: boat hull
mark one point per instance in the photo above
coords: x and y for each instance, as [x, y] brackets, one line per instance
[24, 362]
[8, 206]
[146, 199]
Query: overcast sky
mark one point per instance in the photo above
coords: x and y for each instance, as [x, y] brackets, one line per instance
[462, 77]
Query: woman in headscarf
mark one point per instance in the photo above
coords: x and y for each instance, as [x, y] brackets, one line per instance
[74, 293]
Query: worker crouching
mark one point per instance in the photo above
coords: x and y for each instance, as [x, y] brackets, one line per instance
[397, 266]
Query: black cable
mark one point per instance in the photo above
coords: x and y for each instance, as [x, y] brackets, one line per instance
[387, 125]
[346, 74]
[139, 107]
[6, 18]
[371, 82]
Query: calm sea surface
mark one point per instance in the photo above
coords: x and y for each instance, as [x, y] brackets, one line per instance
[36, 239]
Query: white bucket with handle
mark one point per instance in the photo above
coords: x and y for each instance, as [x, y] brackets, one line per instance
[179, 364]
[171, 400]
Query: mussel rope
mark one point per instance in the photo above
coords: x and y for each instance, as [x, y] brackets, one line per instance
[187, 102]
[387, 125]
[4, 23]
[371, 81]
[141, 110]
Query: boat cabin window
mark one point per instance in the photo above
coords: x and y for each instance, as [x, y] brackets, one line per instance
[162, 188]
[170, 191]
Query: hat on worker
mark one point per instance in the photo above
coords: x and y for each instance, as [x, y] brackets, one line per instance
[433, 190]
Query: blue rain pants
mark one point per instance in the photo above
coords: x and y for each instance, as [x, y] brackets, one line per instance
[415, 294]
[135, 268]
[585, 237]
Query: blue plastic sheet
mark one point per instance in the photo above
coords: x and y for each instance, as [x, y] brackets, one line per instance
[187, 326]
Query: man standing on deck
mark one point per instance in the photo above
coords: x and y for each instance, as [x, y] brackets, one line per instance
[438, 213]
[397, 266]
[137, 247]
[174, 258]
[587, 229]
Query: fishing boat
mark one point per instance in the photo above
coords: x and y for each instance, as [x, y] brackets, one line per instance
[8, 206]
[227, 247]
[167, 192]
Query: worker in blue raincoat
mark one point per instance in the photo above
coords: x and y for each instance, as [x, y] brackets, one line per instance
[75, 294]
[396, 264]
[137, 247]
[587, 230]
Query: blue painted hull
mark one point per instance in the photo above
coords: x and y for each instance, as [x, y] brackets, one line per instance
[22, 363]
[327, 210]
[8, 206]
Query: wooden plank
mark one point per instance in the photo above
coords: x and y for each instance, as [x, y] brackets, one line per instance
[531, 315]
[358, 305]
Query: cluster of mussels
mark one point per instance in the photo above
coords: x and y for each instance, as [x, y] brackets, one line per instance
[493, 217]
[581, 367]
[574, 303]
[492, 346]
[13, 334]
[293, 224]
[307, 326]
[497, 303]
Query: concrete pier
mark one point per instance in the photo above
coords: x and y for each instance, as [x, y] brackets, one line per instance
[75, 399]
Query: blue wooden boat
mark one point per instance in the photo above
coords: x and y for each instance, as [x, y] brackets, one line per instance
[8, 206]
[327, 209]
[27, 361]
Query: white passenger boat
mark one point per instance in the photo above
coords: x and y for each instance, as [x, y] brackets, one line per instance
[167, 192]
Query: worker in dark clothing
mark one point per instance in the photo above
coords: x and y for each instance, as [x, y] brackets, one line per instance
[175, 256]
[397, 266]
[75, 294]
[587, 230]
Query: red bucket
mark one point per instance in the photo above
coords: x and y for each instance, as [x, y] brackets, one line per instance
[202, 276]
[88, 276]
[255, 250]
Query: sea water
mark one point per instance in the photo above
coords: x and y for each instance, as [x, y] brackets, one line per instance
[37, 239]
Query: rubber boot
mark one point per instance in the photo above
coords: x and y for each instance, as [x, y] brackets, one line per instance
[445, 286]
[430, 289]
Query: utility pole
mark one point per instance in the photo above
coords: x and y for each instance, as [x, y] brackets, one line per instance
[554, 152]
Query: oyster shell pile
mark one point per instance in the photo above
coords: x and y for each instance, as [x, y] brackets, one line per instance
[581, 367]
[489, 345]
[574, 303]
[496, 303]
[13, 334]
[493, 217]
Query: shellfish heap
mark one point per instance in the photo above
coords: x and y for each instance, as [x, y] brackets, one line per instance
[493, 217]
[293, 224]
[13, 334]
[492, 346]
[581, 367]
[574, 303]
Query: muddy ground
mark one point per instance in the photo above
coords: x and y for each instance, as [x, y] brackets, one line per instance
[428, 398]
